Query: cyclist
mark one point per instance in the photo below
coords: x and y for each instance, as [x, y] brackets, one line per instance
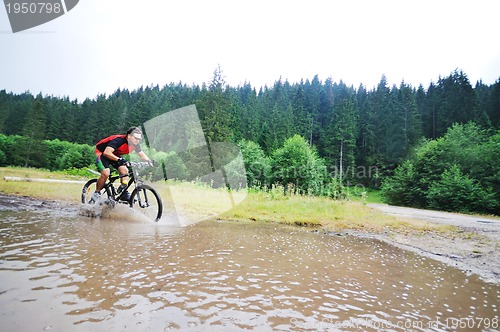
[109, 151]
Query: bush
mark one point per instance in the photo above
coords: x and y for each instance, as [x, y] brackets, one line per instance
[55, 151]
[72, 158]
[64, 155]
[53, 155]
[3, 158]
[173, 166]
[28, 152]
[457, 192]
[401, 189]
[335, 189]
[257, 165]
[5, 148]
[298, 164]
[457, 172]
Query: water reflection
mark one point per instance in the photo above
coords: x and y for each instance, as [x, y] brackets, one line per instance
[61, 271]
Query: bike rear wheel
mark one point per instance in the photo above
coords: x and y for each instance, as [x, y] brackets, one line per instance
[146, 200]
[89, 189]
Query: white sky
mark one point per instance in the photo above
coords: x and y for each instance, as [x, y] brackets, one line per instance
[103, 45]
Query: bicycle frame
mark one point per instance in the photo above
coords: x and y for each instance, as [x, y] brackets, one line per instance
[110, 188]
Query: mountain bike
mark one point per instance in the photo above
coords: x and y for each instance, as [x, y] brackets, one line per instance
[144, 198]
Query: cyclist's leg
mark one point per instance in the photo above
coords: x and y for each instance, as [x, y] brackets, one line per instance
[103, 166]
[101, 181]
[123, 171]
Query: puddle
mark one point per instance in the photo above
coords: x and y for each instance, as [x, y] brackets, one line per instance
[65, 272]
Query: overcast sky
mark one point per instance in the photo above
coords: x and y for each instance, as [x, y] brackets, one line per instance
[102, 45]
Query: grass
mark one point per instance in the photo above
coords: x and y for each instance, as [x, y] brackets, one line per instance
[368, 196]
[320, 212]
[69, 192]
[199, 202]
[374, 196]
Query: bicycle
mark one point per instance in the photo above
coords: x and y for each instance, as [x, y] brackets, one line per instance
[144, 197]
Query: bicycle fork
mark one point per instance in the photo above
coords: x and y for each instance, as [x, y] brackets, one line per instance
[142, 203]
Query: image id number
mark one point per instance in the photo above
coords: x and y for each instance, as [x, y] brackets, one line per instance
[33, 8]
[472, 323]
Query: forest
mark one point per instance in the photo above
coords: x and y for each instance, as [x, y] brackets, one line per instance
[350, 135]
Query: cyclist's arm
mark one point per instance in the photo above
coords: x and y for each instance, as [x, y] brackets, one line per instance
[143, 156]
[108, 153]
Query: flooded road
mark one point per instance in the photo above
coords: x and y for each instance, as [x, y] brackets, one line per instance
[63, 272]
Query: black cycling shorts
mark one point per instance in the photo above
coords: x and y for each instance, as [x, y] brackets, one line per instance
[103, 162]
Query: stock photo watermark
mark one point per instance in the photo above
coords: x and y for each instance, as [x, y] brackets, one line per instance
[26, 14]
[405, 324]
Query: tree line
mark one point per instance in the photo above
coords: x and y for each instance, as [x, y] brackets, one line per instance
[352, 130]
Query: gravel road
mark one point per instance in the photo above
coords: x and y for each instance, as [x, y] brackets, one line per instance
[489, 226]
[474, 248]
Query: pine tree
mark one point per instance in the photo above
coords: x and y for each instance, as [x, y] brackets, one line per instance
[456, 103]
[4, 109]
[213, 108]
[19, 107]
[34, 131]
[301, 117]
[343, 135]
[363, 126]
[494, 107]
[378, 114]
[411, 126]
[313, 107]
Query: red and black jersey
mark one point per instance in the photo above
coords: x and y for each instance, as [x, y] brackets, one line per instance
[117, 142]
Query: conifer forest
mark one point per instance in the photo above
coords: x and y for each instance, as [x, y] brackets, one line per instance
[435, 146]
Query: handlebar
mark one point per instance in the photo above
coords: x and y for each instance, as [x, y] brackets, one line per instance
[140, 164]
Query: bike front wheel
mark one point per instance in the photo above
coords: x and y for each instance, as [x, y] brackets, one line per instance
[146, 200]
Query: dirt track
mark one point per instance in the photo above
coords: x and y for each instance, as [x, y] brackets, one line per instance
[474, 249]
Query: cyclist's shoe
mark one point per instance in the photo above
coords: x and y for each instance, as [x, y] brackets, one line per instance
[95, 198]
[125, 196]
[121, 188]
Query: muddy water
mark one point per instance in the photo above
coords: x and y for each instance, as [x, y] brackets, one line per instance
[63, 272]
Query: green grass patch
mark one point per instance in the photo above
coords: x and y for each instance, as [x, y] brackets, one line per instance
[320, 212]
[69, 192]
[374, 196]
[203, 202]
[366, 196]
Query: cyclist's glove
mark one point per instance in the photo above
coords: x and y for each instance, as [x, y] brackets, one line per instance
[151, 163]
[121, 161]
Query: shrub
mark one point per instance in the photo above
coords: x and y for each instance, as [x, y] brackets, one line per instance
[457, 192]
[257, 165]
[173, 166]
[298, 164]
[458, 172]
[401, 188]
[62, 155]
[335, 189]
[3, 158]
[5, 148]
